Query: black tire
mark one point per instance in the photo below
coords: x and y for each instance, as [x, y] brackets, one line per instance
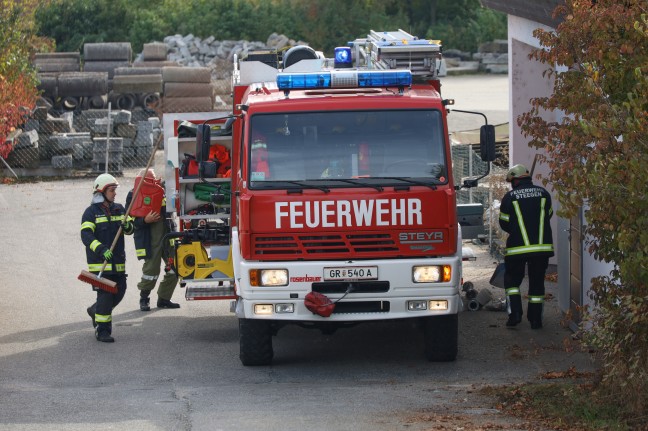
[255, 342]
[441, 334]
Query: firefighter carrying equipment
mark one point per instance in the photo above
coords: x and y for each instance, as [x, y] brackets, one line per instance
[192, 262]
[99, 226]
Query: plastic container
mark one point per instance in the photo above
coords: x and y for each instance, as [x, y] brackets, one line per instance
[149, 198]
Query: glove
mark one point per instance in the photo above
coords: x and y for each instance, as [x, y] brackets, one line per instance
[108, 255]
[127, 226]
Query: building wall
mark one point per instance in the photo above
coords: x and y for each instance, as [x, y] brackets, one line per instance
[526, 82]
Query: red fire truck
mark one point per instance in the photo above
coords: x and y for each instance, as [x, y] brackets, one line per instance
[332, 201]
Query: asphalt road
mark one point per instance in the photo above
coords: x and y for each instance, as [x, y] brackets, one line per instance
[179, 369]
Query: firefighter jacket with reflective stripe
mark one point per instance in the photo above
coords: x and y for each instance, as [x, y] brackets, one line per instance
[146, 239]
[99, 225]
[525, 213]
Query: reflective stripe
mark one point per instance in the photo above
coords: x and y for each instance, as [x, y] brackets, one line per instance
[101, 219]
[103, 318]
[504, 217]
[140, 252]
[88, 225]
[117, 218]
[529, 249]
[96, 267]
[94, 244]
[525, 236]
[149, 277]
[536, 299]
[512, 291]
[543, 201]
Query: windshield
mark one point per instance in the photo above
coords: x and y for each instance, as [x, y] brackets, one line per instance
[346, 148]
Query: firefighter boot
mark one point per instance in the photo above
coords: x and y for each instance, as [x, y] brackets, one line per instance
[514, 309]
[91, 312]
[534, 311]
[145, 300]
[165, 303]
[102, 333]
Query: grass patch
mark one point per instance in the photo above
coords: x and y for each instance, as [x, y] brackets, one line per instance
[565, 405]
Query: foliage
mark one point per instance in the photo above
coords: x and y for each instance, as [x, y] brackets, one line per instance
[598, 155]
[17, 76]
[467, 32]
[324, 24]
[563, 404]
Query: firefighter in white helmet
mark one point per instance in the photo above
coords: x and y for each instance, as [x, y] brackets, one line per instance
[100, 224]
[525, 213]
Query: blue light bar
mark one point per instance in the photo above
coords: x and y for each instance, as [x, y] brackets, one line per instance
[344, 79]
[293, 81]
[370, 79]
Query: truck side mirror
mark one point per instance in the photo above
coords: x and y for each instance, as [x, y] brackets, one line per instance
[487, 143]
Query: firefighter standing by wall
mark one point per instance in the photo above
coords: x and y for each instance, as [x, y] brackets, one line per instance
[100, 224]
[149, 234]
[524, 214]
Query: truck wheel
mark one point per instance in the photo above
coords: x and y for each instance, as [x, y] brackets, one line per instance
[255, 342]
[441, 334]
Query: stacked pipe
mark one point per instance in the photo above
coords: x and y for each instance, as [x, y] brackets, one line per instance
[153, 55]
[106, 57]
[86, 90]
[137, 86]
[49, 65]
[187, 89]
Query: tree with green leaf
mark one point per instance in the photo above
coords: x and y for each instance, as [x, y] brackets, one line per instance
[598, 156]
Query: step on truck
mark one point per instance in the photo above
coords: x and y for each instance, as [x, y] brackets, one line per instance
[326, 197]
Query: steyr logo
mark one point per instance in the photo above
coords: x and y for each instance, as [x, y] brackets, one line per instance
[421, 240]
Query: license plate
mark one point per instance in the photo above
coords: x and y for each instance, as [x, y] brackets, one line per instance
[351, 273]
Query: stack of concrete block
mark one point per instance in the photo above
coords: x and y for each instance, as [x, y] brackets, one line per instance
[25, 150]
[110, 150]
[493, 56]
[47, 130]
[187, 89]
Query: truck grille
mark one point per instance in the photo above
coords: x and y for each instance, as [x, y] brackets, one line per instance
[357, 286]
[323, 246]
[362, 307]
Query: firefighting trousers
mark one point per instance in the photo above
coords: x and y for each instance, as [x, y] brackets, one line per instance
[152, 263]
[107, 301]
[513, 276]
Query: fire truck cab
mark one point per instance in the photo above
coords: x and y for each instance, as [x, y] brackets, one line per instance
[339, 206]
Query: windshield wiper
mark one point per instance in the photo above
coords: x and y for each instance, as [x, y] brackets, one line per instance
[357, 182]
[301, 185]
[407, 180]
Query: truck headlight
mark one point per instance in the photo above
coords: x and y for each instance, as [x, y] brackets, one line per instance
[268, 277]
[431, 273]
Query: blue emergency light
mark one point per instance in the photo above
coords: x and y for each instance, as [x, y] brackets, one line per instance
[342, 57]
[344, 79]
